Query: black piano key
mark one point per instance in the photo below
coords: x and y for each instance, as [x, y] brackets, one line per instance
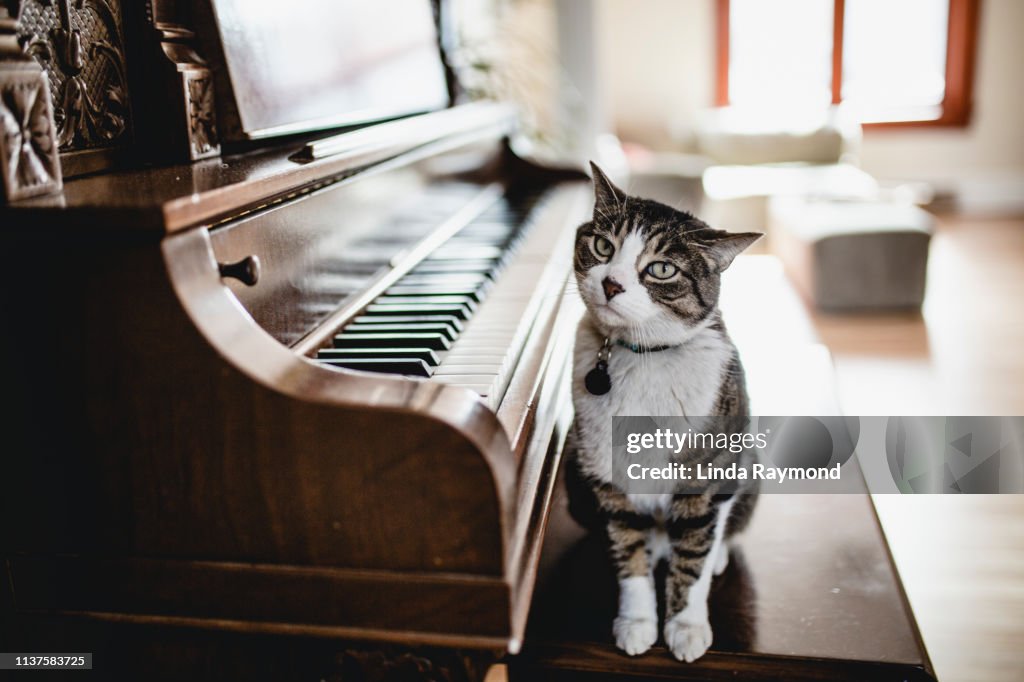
[406, 366]
[450, 320]
[459, 310]
[445, 330]
[425, 354]
[434, 341]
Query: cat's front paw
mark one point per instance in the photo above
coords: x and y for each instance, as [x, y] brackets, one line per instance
[634, 635]
[687, 640]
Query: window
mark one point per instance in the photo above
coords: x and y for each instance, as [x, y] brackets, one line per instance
[891, 63]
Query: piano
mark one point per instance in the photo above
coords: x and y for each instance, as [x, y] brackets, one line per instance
[289, 401]
[286, 356]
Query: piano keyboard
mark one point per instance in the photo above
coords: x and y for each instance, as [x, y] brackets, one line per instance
[456, 317]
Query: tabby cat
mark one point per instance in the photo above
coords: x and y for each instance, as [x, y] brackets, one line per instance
[653, 343]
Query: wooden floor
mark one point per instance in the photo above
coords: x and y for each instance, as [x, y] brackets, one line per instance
[962, 563]
[961, 558]
[965, 354]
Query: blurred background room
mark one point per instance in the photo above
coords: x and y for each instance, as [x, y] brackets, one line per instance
[879, 146]
[891, 128]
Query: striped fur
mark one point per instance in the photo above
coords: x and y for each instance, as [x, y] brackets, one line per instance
[701, 375]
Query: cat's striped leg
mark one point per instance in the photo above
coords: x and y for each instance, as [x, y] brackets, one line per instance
[636, 626]
[696, 529]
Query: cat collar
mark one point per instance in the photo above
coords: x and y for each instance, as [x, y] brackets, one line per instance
[598, 381]
[637, 348]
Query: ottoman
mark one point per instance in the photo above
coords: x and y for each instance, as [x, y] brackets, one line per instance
[853, 255]
[736, 197]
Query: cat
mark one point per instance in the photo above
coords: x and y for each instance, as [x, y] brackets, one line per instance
[650, 276]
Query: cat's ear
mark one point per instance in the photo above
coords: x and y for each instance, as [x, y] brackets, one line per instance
[606, 195]
[721, 247]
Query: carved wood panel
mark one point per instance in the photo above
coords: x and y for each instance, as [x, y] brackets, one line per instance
[80, 45]
[28, 147]
[28, 155]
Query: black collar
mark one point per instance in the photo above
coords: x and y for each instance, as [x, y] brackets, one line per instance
[637, 348]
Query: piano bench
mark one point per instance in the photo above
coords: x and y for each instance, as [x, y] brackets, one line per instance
[810, 594]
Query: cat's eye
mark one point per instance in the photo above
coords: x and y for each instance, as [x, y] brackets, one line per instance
[603, 247]
[661, 270]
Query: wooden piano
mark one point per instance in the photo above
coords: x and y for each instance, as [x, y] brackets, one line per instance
[289, 404]
[299, 392]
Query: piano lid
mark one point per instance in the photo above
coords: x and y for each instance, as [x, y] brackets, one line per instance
[313, 64]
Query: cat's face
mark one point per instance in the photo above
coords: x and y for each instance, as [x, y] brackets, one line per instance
[648, 273]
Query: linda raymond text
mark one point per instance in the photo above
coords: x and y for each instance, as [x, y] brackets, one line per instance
[734, 471]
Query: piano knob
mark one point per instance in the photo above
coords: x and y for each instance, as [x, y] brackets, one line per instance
[246, 271]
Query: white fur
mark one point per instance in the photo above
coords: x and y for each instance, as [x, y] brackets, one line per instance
[688, 633]
[722, 559]
[636, 626]
[678, 381]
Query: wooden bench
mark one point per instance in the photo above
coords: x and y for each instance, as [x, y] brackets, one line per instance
[811, 592]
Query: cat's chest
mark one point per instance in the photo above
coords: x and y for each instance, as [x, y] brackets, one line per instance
[683, 381]
[674, 382]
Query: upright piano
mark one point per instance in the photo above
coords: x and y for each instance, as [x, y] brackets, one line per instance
[284, 403]
[286, 364]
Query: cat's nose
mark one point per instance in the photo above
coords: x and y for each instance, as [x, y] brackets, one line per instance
[611, 288]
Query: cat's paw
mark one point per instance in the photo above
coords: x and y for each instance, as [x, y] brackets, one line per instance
[721, 560]
[635, 635]
[687, 640]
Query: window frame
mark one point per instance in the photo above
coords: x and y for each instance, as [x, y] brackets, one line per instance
[961, 48]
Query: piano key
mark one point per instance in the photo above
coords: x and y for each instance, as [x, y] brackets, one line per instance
[472, 292]
[494, 336]
[445, 330]
[434, 341]
[454, 287]
[476, 266]
[450, 320]
[495, 359]
[491, 225]
[478, 245]
[462, 369]
[482, 349]
[424, 300]
[425, 354]
[460, 311]
[484, 340]
[455, 279]
[457, 252]
[480, 379]
[406, 366]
